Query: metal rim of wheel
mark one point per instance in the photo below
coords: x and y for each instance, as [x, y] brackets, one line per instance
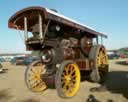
[68, 79]
[33, 75]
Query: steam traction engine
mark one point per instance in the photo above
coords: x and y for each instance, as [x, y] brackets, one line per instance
[69, 50]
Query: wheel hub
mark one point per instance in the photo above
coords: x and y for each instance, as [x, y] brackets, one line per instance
[68, 78]
[37, 77]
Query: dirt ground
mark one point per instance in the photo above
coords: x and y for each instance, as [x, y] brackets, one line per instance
[115, 88]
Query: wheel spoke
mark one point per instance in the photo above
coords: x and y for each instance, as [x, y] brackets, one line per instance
[71, 67]
[39, 84]
[71, 87]
[63, 80]
[32, 70]
[71, 84]
[32, 78]
[74, 81]
[73, 71]
[64, 73]
[66, 70]
[65, 87]
[33, 85]
[104, 56]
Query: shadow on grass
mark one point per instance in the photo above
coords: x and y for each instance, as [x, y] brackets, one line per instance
[92, 98]
[116, 82]
[31, 100]
[122, 62]
[4, 71]
[5, 95]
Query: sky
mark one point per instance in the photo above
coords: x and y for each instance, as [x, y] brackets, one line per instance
[107, 16]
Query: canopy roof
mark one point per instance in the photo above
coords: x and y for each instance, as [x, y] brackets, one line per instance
[17, 20]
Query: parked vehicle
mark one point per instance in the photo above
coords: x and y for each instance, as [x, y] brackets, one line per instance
[18, 60]
[23, 60]
[2, 60]
[29, 60]
[113, 56]
[66, 49]
[123, 56]
[13, 60]
[1, 68]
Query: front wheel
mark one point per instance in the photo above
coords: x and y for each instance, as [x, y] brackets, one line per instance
[33, 75]
[67, 79]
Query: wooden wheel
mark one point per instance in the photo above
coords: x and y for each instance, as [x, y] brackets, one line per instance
[99, 56]
[67, 79]
[33, 78]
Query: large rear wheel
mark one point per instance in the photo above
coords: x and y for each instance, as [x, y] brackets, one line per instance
[99, 57]
[67, 79]
[33, 75]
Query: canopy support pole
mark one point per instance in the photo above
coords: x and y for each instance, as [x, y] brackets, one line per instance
[101, 40]
[40, 27]
[25, 29]
[97, 40]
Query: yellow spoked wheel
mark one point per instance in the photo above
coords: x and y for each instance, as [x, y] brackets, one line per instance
[33, 78]
[67, 79]
[100, 69]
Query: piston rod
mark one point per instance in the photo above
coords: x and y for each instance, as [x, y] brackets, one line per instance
[101, 40]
